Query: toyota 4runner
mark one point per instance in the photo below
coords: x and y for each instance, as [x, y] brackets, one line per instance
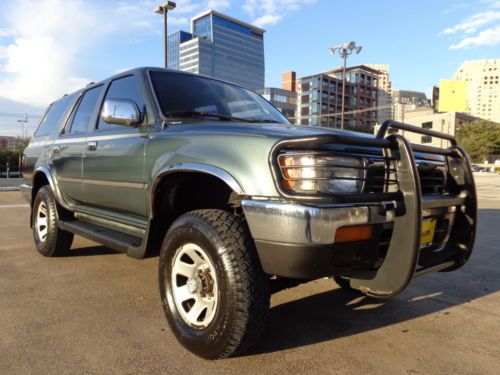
[238, 202]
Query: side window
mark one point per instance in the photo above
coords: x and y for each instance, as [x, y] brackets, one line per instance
[122, 88]
[83, 114]
[57, 110]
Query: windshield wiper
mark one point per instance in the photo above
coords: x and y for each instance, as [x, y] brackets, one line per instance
[205, 114]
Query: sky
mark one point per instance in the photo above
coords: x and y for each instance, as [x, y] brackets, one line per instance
[52, 47]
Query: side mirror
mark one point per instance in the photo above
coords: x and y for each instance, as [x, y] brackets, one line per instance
[120, 112]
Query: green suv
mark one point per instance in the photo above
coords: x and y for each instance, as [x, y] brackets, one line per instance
[238, 202]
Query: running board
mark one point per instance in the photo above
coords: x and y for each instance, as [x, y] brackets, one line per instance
[120, 241]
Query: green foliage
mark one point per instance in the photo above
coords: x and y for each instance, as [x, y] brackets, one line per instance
[11, 157]
[480, 139]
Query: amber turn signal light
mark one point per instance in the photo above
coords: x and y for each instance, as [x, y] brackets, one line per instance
[353, 233]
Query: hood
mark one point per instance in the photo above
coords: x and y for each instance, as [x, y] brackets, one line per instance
[276, 131]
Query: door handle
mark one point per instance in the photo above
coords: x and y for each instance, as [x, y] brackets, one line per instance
[91, 146]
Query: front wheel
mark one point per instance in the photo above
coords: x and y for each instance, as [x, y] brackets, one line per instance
[214, 293]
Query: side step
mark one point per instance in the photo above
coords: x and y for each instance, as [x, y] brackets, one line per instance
[112, 238]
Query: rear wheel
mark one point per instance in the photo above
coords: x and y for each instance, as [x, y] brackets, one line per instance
[49, 239]
[214, 292]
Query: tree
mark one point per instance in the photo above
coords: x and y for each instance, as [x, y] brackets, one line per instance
[480, 139]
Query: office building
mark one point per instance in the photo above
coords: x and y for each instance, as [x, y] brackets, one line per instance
[482, 86]
[425, 117]
[284, 100]
[173, 47]
[223, 47]
[405, 101]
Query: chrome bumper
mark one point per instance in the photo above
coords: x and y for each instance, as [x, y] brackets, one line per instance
[289, 223]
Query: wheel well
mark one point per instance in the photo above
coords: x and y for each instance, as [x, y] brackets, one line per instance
[183, 192]
[39, 180]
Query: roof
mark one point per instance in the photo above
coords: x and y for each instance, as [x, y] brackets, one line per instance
[145, 69]
[355, 67]
[256, 29]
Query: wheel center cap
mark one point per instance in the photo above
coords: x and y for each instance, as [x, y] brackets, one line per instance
[192, 286]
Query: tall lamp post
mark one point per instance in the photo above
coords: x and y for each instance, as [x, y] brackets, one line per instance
[163, 10]
[344, 51]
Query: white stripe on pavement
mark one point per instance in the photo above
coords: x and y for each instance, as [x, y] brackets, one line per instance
[14, 205]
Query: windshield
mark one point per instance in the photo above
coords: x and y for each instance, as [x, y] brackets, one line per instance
[184, 95]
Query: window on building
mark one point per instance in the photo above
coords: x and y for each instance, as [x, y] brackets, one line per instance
[427, 125]
[426, 139]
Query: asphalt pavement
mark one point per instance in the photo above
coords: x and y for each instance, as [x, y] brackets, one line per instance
[97, 311]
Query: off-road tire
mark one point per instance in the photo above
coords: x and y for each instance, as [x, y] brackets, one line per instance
[243, 287]
[57, 241]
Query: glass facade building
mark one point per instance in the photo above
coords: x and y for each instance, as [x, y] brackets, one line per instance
[284, 100]
[222, 47]
[174, 41]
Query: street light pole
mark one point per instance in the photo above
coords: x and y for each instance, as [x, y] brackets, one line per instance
[344, 56]
[344, 51]
[163, 10]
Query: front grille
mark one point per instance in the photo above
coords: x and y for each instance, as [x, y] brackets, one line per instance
[432, 179]
[380, 178]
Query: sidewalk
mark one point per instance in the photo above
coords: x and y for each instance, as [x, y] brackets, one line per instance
[10, 184]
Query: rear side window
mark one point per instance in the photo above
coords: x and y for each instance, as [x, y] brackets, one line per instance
[83, 114]
[49, 125]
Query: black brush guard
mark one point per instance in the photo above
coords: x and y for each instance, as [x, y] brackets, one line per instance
[400, 265]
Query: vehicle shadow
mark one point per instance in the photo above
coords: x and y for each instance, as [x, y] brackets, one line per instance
[91, 251]
[338, 313]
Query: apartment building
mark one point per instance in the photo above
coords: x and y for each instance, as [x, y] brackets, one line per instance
[319, 98]
[385, 110]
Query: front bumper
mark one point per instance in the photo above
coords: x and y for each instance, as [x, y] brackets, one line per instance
[297, 241]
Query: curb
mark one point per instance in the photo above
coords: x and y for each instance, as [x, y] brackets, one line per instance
[10, 188]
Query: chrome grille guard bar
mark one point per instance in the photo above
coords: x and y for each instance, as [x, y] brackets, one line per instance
[400, 265]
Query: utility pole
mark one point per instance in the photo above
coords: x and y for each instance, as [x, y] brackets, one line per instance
[163, 10]
[23, 122]
[344, 51]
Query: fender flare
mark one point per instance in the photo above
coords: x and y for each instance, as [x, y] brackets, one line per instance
[53, 185]
[220, 173]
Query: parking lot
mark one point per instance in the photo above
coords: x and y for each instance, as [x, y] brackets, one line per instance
[98, 311]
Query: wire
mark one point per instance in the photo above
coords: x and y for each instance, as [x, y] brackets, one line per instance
[22, 115]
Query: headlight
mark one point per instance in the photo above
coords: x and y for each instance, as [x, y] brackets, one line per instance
[310, 173]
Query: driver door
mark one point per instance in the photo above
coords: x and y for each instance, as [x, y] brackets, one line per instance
[113, 161]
